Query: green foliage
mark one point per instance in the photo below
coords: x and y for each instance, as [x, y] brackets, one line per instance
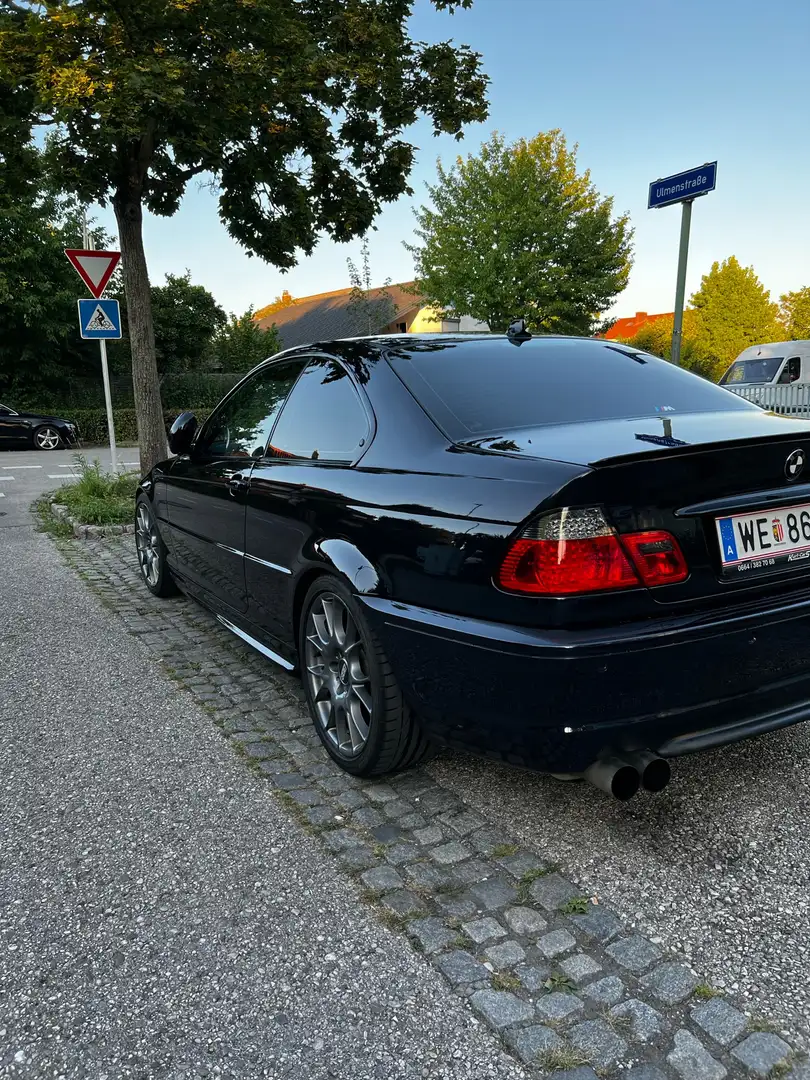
[656, 338]
[92, 424]
[240, 343]
[99, 498]
[794, 309]
[371, 309]
[186, 317]
[516, 231]
[733, 310]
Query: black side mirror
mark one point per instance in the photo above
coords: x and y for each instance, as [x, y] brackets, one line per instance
[182, 432]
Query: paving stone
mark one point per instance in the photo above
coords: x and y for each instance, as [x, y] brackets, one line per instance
[400, 854]
[367, 817]
[605, 991]
[431, 934]
[320, 815]
[338, 839]
[801, 1072]
[457, 907]
[462, 823]
[493, 894]
[289, 781]
[691, 1060]
[259, 751]
[582, 1072]
[597, 1040]
[357, 858]
[556, 943]
[386, 834]
[306, 797]
[670, 982]
[500, 1008]
[525, 921]
[580, 967]
[348, 800]
[761, 1052]
[380, 793]
[599, 923]
[448, 854]
[644, 1072]
[634, 953]
[462, 969]
[644, 1021]
[528, 1043]
[481, 930]
[471, 872]
[402, 902]
[382, 877]
[425, 876]
[431, 835]
[532, 976]
[719, 1020]
[521, 864]
[505, 954]
[413, 821]
[558, 1006]
[551, 891]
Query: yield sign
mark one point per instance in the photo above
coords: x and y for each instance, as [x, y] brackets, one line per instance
[95, 268]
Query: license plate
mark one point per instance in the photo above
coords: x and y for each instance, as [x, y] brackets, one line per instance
[769, 540]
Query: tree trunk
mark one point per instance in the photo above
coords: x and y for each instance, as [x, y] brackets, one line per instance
[145, 382]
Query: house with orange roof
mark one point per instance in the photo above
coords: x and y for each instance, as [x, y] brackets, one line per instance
[623, 329]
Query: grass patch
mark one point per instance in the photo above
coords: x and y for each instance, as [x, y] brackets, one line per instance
[47, 523]
[528, 879]
[500, 981]
[577, 905]
[762, 1023]
[98, 498]
[503, 851]
[561, 1059]
[705, 992]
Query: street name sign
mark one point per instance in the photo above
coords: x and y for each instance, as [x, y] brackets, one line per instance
[682, 186]
[95, 268]
[99, 320]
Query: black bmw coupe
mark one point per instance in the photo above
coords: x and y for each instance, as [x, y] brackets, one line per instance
[560, 552]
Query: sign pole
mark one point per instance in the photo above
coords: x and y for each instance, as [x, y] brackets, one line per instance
[680, 286]
[105, 371]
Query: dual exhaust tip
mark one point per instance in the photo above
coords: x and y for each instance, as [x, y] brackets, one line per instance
[622, 775]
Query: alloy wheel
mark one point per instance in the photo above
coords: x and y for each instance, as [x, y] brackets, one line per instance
[338, 676]
[147, 545]
[47, 438]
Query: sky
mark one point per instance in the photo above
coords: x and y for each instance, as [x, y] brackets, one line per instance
[645, 88]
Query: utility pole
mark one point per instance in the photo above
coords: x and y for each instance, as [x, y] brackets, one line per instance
[89, 245]
[680, 284]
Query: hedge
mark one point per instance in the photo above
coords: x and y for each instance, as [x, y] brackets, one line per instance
[92, 424]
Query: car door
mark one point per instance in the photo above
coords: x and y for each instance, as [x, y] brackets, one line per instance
[206, 488]
[12, 428]
[324, 427]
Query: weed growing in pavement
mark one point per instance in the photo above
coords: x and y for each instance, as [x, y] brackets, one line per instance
[501, 981]
[559, 983]
[560, 1059]
[761, 1023]
[577, 905]
[380, 850]
[98, 498]
[705, 992]
[620, 1024]
[529, 878]
[503, 851]
[47, 523]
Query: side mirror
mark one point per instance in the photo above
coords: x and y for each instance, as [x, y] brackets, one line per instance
[182, 432]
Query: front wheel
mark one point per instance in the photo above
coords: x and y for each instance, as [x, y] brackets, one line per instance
[354, 700]
[151, 552]
[47, 438]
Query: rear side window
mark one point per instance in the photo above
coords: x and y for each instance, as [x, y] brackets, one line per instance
[487, 386]
[323, 418]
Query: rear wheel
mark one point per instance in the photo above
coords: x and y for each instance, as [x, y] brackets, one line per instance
[151, 552]
[47, 438]
[354, 700]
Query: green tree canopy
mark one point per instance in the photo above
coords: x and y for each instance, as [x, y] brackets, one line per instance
[295, 109]
[186, 319]
[794, 309]
[656, 338]
[515, 230]
[240, 343]
[733, 310]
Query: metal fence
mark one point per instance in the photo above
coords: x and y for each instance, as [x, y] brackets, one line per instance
[791, 399]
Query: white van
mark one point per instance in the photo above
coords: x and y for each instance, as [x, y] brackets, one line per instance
[775, 376]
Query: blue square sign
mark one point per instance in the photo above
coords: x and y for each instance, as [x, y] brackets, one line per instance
[99, 319]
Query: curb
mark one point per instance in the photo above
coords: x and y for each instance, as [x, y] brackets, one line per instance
[88, 532]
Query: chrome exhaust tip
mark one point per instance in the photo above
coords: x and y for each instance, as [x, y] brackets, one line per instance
[615, 776]
[654, 771]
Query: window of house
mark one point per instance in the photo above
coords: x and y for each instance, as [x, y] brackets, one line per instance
[323, 419]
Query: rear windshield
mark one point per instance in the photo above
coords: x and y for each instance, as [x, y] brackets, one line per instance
[760, 370]
[488, 385]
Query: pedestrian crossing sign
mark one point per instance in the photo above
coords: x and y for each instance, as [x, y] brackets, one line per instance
[99, 319]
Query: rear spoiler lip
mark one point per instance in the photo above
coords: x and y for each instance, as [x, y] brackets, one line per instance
[690, 449]
[768, 499]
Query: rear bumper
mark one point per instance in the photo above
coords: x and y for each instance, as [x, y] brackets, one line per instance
[556, 700]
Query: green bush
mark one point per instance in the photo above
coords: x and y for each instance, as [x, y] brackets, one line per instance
[98, 498]
[92, 424]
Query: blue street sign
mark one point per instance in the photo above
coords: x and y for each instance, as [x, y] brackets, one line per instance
[682, 186]
[99, 319]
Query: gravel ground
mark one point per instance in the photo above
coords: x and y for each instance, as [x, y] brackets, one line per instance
[717, 866]
[160, 916]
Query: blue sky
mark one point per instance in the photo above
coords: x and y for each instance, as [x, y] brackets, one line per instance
[646, 89]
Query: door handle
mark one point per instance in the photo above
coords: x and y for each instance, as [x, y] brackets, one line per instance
[237, 484]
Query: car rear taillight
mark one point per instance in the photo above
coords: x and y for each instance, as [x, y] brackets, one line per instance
[574, 551]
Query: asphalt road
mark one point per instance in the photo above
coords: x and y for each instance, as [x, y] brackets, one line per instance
[26, 474]
[160, 915]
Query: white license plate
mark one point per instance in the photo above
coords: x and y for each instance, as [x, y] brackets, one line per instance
[768, 540]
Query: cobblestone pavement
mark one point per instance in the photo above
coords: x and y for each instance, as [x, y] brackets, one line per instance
[567, 984]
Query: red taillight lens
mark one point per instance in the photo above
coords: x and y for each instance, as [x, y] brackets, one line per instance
[575, 551]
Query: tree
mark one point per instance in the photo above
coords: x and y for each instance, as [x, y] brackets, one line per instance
[794, 311]
[733, 310]
[186, 317]
[656, 338]
[294, 109]
[241, 343]
[516, 231]
[370, 309]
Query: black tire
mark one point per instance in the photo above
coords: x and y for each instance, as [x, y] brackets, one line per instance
[154, 569]
[395, 740]
[47, 437]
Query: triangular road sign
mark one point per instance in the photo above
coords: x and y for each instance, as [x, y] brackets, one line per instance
[95, 268]
[99, 320]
